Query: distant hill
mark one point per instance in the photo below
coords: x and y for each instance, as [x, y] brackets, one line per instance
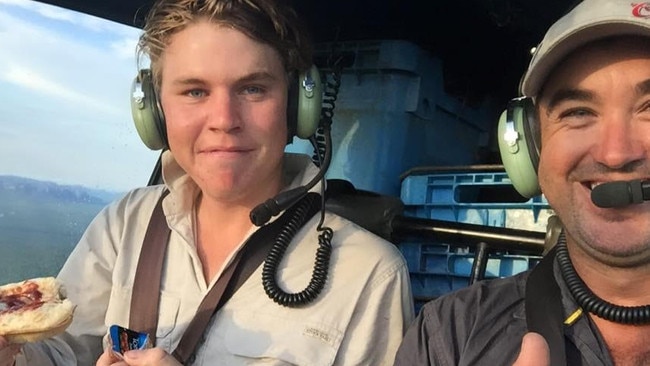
[40, 223]
[64, 193]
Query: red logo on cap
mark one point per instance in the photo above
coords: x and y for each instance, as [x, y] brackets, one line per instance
[641, 10]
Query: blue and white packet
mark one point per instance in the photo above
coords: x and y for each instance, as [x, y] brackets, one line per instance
[124, 339]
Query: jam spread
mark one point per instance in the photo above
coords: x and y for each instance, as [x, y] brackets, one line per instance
[24, 297]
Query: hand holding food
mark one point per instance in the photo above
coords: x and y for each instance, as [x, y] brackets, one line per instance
[33, 310]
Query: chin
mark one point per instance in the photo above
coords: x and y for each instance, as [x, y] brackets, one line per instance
[218, 185]
[614, 243]
[626, 255]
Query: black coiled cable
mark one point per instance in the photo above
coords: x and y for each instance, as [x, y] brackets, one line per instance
[330, 94]
[321, 141]
[588, 301]
[321, 266]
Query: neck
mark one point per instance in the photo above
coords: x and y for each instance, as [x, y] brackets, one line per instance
[626, 286]
[603, 306]
[219, 230]
[222, 214]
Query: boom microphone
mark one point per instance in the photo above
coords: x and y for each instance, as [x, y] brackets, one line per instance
[620, 193]
[263, 212]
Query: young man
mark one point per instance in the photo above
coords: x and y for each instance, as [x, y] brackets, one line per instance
[223, 70]
[590, 85]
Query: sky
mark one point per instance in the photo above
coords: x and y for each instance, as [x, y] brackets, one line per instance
[65, 80]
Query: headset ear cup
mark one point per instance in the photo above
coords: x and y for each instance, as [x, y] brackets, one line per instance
[310, 103]
[518, 147]
[146, 112]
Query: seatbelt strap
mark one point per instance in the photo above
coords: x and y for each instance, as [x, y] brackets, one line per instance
[544, 314]
[146, 285]
[210, 304]
[246, 261]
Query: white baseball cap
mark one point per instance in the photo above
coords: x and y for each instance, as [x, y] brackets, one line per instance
[588, 21]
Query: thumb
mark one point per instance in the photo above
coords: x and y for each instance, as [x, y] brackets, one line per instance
[150, 357]
[534, 351]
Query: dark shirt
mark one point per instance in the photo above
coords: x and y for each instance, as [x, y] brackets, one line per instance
[483, 325]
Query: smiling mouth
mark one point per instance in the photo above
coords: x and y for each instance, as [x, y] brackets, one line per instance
[225, 150]
[621, 182]
[592, 185]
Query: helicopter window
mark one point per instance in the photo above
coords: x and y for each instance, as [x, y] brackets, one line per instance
[68, 145]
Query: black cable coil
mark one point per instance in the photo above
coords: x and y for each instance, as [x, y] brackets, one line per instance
[321, 141]
[321, 266]
[588, 301]
[330, 95]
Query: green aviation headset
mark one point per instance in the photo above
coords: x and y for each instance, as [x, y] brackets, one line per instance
[519, 144]
[303, 108]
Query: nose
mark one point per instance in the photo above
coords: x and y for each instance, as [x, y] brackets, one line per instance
[223, 112]
[619, 143]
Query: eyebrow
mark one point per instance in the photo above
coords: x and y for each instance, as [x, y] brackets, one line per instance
[562, 95]
[258, 76]
[255, 76]
[643, 87]
[189, 81]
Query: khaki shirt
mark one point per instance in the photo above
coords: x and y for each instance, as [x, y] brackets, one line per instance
[358, 319]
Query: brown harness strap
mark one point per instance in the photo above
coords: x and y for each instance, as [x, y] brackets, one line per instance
[146, 287]
[194, 331]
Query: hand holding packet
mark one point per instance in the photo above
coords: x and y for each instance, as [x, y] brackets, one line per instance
[124, 339]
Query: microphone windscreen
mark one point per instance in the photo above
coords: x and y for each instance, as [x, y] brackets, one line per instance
[261, 214]
[612, 194]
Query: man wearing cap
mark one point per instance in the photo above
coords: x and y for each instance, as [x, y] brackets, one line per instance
[587, 302]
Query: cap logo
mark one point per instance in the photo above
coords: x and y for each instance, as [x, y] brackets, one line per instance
[641, 10]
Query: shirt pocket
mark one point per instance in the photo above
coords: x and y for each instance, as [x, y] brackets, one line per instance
[269, 339]
[118, 313]
[167, 317]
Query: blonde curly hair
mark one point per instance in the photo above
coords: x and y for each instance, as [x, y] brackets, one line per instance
[270, 22]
